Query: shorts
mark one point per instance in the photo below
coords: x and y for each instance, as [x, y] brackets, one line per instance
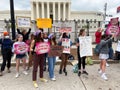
[103, 56]
[20, 56]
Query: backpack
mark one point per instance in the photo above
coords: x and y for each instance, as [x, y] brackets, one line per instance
[75, 68]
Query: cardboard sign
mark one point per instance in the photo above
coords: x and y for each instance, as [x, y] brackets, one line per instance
[55, 51]
[113, 27]
[21, 48]
[85, 46]
[66, 45]
[23, 22]
[42, 47]
[44, 23]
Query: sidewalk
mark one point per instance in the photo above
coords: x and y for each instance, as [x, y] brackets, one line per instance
[71, 82]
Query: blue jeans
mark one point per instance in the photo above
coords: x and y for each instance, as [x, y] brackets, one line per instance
[51, 65]
[111, 53]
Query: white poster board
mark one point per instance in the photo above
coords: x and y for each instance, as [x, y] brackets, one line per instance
[66, 45]
[85, 46]
[23, 22]
[118, 46]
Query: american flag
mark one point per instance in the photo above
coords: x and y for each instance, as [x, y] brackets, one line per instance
[118, 9]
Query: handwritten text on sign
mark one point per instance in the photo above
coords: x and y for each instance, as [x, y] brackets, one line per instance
[85, 46]
[55, 51]
[23, 22]
[42, 48]
[21, 48]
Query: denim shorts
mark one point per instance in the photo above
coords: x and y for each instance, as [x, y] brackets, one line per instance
[103, 56]
[20, 56]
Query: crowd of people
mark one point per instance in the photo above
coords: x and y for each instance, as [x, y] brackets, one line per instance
[8, 48]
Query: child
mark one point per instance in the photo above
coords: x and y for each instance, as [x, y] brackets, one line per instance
[81, 60]
[104, 55]
[38, 60]
[20, 56]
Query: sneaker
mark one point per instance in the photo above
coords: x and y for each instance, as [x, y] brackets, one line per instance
[17, 75]
[43, 80]
[84, 72]
[53, 79]
[107, 65]
[100, 71]
[35, 84]
[25, 72]
[1, 74]
[104, 77]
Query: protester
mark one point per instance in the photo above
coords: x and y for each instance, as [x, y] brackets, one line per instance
[38, 60]
[24, 33]
[20, 56]
[64, 56]
[98, 34]
[46, 54]
[30, 62]
[52, 59]
[81, 60]
[103, 56]
[6, 51]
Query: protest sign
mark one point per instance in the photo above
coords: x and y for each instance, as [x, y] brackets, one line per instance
[65, 29]
[42, 47]
[23, 22]
[85, 46]
[55, 51]
[21, 48]
[118, 46]
[44, 23]
[113, 27]
[66, 44]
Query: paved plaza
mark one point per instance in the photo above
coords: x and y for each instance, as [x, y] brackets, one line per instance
[71, 82]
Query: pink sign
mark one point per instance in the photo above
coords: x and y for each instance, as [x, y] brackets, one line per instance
[42, 48]
[65, 29]
[21, 48]
[113, 27]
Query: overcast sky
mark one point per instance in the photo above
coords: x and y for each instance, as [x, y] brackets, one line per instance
[77, 5]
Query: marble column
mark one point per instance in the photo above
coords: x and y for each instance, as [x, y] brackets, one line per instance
[59, 13]
[37, 10]
[48, 10]
[42, 3]
[54, 11]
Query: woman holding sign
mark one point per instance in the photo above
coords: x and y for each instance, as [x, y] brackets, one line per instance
[65, 41]
[20, 48]
[81, 60]
[51, 59]
[38, 47]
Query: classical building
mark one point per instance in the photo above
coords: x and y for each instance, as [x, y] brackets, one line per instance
[59, 11]
[55, 9]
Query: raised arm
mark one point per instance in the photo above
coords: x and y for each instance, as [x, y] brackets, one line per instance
[18, 31]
